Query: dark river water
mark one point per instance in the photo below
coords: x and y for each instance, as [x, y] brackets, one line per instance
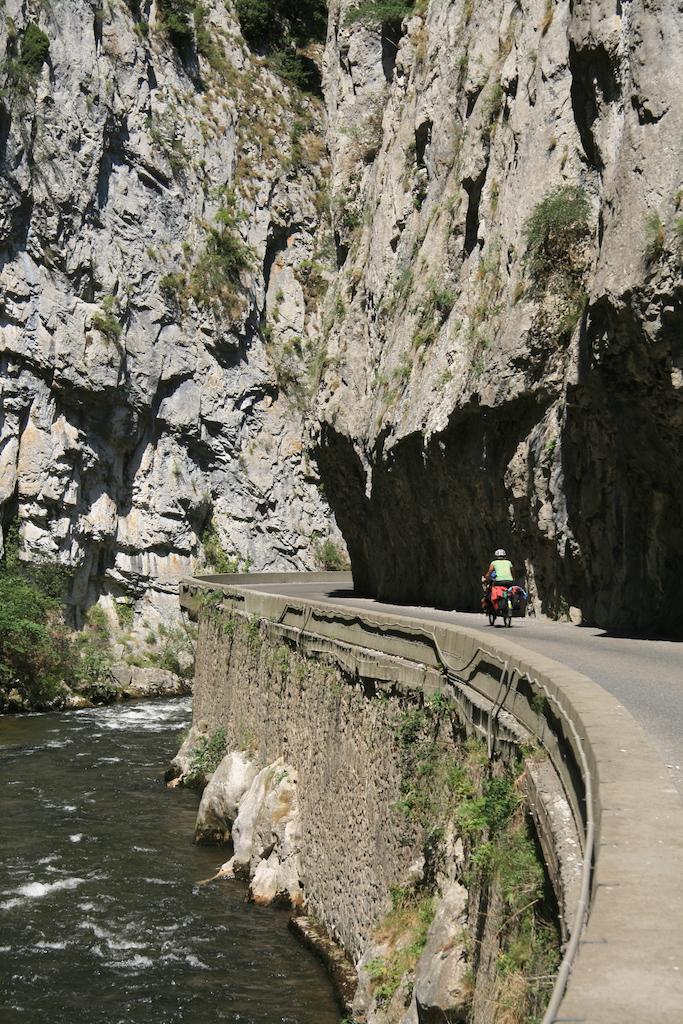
[101, 916]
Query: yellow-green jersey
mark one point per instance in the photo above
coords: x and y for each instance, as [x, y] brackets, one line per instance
[503, 570]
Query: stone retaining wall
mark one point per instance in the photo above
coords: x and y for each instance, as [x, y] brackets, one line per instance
[341, 740]
[368, 838]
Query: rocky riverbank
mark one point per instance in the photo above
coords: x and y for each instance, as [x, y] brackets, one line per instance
[46, 665]
[123, 683]
[160, 192]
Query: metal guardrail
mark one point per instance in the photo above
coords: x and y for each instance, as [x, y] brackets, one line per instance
[595, 732]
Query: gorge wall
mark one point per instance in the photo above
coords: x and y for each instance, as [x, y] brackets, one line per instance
[508, 372]
[157, 196]
[452, 289]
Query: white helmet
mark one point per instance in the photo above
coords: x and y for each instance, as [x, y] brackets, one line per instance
[500, 553]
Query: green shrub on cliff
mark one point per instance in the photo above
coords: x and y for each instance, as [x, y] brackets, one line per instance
[380, 12]
[484, 802]
[23, 67]
[208, 44]
[105, 320]
[176, 17]
[35, 47]
[281, 29]
[217, 558]
[555, 236]
[409, 919]
[215, 276]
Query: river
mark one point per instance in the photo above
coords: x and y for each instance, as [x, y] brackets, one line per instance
[102, 919]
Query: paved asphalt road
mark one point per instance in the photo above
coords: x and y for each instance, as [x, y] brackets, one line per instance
[646, 676]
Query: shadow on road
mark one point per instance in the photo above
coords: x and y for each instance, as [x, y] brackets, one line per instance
[625, 634]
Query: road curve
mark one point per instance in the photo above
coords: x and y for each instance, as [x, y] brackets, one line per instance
[646, 676]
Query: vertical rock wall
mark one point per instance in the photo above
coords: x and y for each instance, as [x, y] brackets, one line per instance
[472, 401]
[465, 398]
[140, 397]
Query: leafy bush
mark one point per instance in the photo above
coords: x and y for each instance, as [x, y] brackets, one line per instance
[270, 25]
[34, 644]
[330, 556]
[298, 69]
[207, 45]
[216, 556]
[174, 650]
[254, 633]
[94, 657]
[167, 132]
[256, 22]
[216, 274]
[555, 234]
[106, 322]
[493, 104]
[172, 286]
[436, 305]
[409, 919]
[438, 302]
[23, 69]
[207, 755]
[486, 806]
[38, 653]
[51, 579]
[279, 28]
[176, 16]
[125, 613]
[35, 48]
[380, 12]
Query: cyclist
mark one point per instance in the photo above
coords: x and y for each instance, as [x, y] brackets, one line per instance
[500, 570]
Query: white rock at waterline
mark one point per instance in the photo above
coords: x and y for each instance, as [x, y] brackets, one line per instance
[179, 767]
[277, 880]
[245, 822]
[220, 800]
[149, 682]
[267, 836]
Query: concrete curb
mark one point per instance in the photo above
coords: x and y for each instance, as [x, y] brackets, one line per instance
[629, 961]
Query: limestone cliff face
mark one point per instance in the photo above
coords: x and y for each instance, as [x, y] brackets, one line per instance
[183, 268]
[154, 203]
[474, 397]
